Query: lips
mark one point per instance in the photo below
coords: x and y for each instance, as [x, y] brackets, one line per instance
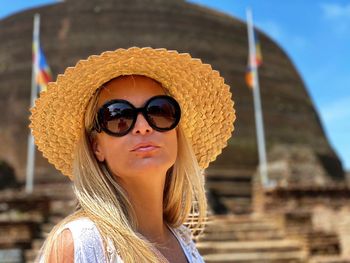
[146, 146]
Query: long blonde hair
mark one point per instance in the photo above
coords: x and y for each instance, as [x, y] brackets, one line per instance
[106, 203]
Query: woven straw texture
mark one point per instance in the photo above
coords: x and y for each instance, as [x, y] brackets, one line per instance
[204, 98]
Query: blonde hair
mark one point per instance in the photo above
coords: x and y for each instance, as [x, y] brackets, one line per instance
[106, 203]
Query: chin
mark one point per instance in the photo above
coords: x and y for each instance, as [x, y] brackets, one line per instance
[151, 165]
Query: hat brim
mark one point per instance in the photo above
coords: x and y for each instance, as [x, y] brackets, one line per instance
[205, 100]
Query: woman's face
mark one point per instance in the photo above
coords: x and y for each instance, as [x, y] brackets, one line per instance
[122, 159]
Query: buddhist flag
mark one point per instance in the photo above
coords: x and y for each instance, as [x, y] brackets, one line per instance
[253, 61]
[249, 77]
[258, 55]
[41, 68]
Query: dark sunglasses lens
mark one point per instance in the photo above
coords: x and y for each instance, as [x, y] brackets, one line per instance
[118, 117]
[163, 113]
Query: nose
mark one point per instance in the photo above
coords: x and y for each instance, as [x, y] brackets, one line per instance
[141, 126]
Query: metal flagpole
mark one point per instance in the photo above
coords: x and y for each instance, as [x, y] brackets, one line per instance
[257, 102]
[31, 146]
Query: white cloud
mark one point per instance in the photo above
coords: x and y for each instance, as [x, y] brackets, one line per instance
[335, 11]
[339, 17]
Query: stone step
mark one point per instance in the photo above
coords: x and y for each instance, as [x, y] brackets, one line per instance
[264, 234]
[17, 234]
[239, 226]
[62, 207]
[20, 216]
[37, 243]
[323, 243]
[240, 222]
[328, 259]
[46, 229]
[236, 218]
[55, 191]
[268, 246]
[237, 204]
[225, 188]
[232, 190]
[55, 219]
[12, 255]
[267, 257]
[228, 179]
[30, 255]
[237, 174]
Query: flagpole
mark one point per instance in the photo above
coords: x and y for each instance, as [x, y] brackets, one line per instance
[257, 103]
[31, 146]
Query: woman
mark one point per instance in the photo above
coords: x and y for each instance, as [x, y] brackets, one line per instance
[133, 129]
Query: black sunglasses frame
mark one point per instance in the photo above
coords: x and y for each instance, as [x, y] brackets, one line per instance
[100, 124]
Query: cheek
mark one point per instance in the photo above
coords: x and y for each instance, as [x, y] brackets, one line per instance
[115, 152]
[172, 145]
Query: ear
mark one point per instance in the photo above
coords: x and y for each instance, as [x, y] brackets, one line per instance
[97, 149]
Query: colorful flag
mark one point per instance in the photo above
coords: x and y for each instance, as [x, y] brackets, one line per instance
[249, 77]
[41, 68]
[253, 61]
[258, 55]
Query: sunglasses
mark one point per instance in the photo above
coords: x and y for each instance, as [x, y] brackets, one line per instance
[118, 117]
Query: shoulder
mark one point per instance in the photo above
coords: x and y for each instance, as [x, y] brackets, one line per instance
[80, 241]
[80, 224]
[62, 245]
[89, 244]
[84, 239]
[83, 231]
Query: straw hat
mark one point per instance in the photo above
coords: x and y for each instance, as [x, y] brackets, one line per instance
[207, 109]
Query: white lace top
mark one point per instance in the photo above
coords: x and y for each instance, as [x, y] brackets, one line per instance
[88, 246]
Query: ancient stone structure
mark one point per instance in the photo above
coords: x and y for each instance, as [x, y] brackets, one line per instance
[75, 29]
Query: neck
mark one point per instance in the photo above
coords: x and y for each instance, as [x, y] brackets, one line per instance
[146, 197]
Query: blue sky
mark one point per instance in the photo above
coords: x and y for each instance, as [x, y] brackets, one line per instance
[316, 36]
